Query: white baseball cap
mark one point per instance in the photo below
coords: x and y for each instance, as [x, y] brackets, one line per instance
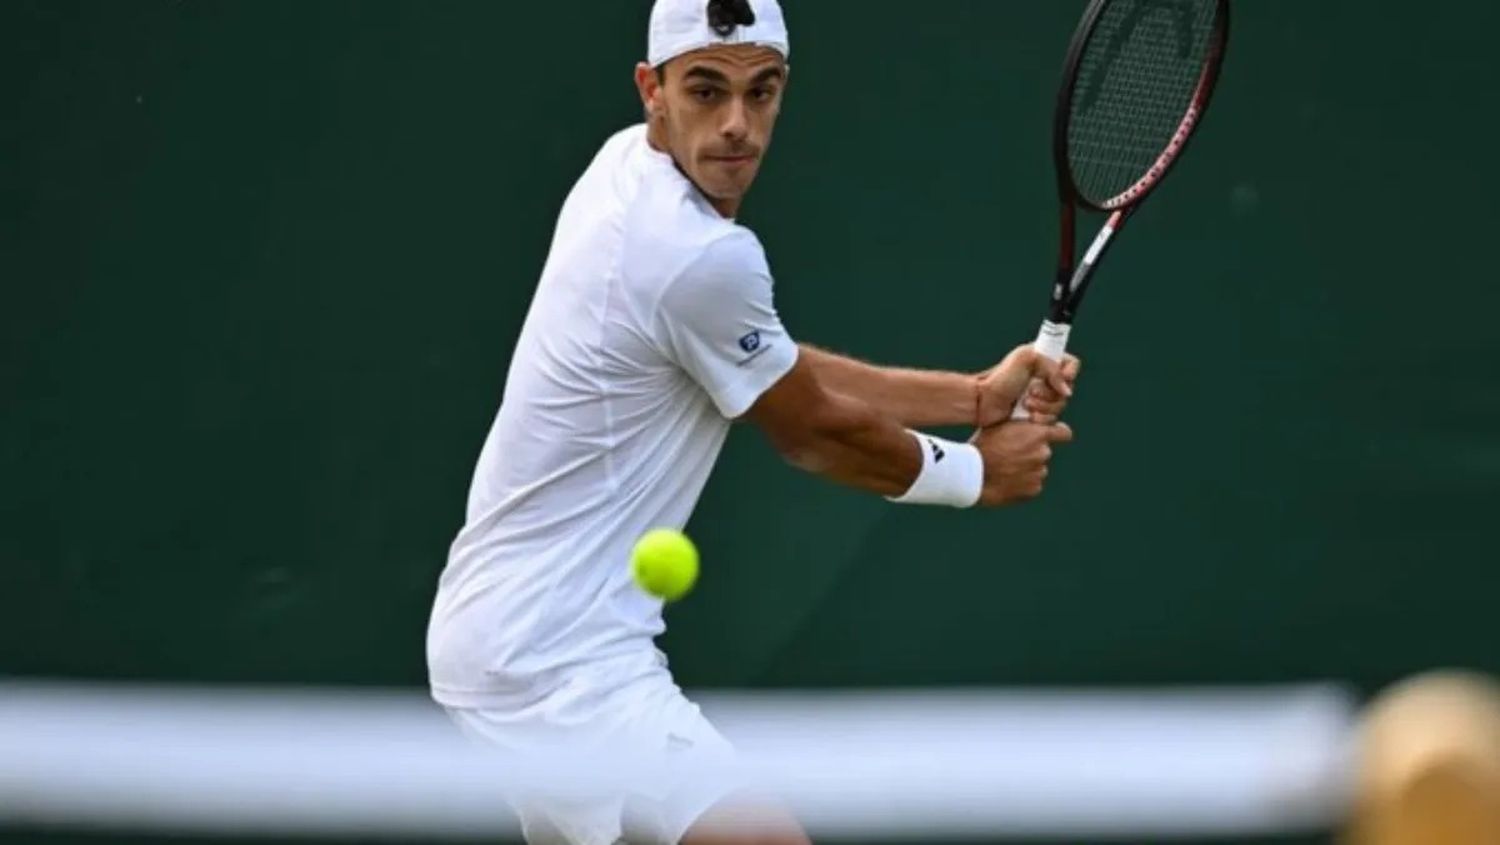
[681, 26]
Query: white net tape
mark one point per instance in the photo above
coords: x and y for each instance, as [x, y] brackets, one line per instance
[865, 765]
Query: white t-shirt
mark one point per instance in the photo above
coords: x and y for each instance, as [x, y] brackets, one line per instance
[652, 327]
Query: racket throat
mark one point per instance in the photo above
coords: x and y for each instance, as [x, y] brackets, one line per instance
[1096, 249]
[1071, 286]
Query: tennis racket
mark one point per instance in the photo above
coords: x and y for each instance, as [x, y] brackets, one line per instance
[1138, 78]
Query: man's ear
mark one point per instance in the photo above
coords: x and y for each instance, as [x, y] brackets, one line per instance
[648, 83]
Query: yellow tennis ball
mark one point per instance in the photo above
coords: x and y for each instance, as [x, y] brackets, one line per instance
[665, 563]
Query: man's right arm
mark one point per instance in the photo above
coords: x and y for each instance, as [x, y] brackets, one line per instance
[836, 436]
[848, 441]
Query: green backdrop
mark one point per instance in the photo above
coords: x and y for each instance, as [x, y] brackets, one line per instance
[262, 265]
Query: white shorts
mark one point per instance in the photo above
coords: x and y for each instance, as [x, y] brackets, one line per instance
[657, 812]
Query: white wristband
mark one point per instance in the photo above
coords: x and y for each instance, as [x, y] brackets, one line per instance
[952, 474]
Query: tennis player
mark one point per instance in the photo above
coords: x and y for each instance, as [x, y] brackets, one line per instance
[652, 329]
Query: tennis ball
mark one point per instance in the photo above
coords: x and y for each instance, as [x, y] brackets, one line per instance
[665, 563]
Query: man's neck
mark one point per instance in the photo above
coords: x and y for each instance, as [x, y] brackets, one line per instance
[726, 208]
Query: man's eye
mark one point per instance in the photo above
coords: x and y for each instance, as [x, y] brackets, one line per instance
[763, 94]
[703, 95]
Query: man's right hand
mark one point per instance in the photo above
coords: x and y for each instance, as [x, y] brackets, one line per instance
[1016, 455]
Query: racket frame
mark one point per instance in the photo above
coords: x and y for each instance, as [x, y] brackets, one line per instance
[1073, 276]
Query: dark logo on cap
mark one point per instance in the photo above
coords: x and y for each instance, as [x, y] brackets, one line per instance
[750, 342]
[725, 15]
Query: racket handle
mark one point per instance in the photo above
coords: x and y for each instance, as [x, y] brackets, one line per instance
[1051, 342]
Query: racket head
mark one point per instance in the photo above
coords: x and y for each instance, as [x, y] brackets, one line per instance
[1138, 78]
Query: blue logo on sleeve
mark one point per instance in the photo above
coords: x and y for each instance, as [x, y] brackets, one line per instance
[750, 342]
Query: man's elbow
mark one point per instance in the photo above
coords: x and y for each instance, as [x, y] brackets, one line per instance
[821, 428]
[809, 457]
[808, 424]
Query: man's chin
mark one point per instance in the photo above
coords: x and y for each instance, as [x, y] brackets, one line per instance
[722, 191]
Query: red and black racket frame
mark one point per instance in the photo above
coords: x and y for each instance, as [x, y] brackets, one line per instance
[1073, 276]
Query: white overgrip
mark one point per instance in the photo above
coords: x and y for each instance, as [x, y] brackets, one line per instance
[1052, 343]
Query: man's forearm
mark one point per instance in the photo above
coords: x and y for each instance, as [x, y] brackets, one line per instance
[852, 443]
[914, 397]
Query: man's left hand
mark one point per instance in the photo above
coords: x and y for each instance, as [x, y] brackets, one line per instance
[1046, 396]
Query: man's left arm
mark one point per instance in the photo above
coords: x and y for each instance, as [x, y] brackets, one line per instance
[916, 398]
[919, 398]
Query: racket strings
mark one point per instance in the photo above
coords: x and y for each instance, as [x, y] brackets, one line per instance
[1136, 79]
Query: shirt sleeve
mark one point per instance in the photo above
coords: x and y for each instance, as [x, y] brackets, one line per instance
[719, 324]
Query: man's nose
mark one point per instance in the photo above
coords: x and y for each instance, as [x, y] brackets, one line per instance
[736, 121]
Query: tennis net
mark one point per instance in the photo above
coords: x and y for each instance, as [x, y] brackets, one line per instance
[851, 765]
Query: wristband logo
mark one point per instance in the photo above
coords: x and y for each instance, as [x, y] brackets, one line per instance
[937, 451]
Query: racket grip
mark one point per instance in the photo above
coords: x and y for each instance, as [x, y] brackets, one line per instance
[1051, 342]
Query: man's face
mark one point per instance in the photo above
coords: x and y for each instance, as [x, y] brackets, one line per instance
[715, 109]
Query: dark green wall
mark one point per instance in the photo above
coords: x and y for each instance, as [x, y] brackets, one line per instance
[261, 266]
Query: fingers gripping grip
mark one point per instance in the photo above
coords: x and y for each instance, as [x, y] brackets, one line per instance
[1051, 342]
